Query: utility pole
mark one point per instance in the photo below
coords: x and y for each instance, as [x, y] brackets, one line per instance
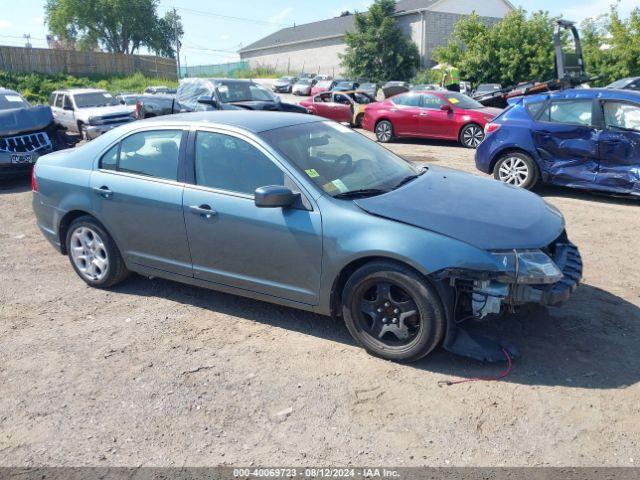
[27, 37]
[175, 32]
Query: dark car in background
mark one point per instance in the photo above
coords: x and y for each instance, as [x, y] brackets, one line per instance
[584, 138]
[346, 86]
[26, 133]
[370, 88]
[486, 89]
[197, 94]
[630, 83]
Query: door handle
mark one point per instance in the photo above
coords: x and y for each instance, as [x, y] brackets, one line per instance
[103, 191]
[204, 211]
[424, 114]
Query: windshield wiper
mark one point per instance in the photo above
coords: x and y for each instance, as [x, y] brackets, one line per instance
[408, 179]
[363, 192]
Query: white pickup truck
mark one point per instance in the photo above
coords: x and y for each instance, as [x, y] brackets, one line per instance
[89, 112]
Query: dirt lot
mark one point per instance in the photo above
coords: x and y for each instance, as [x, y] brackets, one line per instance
[157, 373]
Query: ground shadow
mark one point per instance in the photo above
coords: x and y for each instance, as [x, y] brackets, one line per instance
[15, 184]
[591, 342]
[546, 190]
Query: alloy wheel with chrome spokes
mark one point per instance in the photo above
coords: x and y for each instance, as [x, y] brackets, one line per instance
[89, 253]
[393, 311]
[472, 136]
[384, 131]
[516, 168]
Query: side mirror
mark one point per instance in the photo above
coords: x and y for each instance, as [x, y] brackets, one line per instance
[274, 197]
[446, 108]
[209, 100]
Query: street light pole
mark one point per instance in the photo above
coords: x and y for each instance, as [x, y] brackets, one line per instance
[177, 37]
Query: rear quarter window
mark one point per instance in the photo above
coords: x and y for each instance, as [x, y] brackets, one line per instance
[534, 109]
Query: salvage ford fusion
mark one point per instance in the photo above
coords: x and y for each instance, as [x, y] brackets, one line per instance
[300, 211]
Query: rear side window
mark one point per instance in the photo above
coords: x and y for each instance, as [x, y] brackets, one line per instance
[154, 154]
[534, 108]
[573, 112]
[408, 100]
[228, 163]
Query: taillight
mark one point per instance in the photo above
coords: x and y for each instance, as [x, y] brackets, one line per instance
[491, 127]
[34, 183]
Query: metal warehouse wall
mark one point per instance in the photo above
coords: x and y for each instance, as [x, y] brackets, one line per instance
[44, 60]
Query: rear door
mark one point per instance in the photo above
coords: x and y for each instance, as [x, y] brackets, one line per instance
[138, 196]
[566, 139]
[619, 146]
[406, 110]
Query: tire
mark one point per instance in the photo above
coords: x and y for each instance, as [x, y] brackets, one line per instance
[86, 237]
[384, 131]
[471, 136]
[82, 129]
[389, 291]
[358, 122]
[518, 169]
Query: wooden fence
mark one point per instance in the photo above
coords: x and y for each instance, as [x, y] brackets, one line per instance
[44, 60]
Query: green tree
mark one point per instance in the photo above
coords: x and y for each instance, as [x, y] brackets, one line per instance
[377, 49]
[510, 51]
[119, 26]
[169, 32]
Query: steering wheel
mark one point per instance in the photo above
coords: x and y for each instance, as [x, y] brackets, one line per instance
[344, 162]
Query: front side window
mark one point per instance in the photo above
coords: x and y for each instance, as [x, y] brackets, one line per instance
[59, 100]
[574, 112]
[228, 163]
[153, 154]
[339, 160]
[323, 98]
[342, 99]
[408, 100]
[432, 101]
[109, 160]
[622, 116]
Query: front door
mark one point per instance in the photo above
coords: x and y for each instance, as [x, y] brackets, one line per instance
[566, 140]
[619, 142]
[433, 121]
[272, 251]
[342, 108]
[137, 196]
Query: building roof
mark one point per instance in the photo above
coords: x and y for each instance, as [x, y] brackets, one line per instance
[333, 27]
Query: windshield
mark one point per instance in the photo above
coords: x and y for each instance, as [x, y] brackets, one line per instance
[345, 85]
[462, 101]
[284, 80]
[304, 81]
[231, 91]
[324, 84]
[12, 100]
[620, 83]
[339, 160]
[130, 100]
[95, 99]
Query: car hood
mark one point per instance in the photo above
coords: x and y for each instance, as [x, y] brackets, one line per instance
[481, 212]
[104, 111]
[18, 120]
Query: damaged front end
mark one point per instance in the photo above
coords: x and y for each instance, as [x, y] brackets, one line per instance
[546, 276]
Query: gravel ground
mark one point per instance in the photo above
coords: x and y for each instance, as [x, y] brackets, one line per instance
[156, 373]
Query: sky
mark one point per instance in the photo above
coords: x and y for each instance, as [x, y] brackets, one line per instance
[216, 29]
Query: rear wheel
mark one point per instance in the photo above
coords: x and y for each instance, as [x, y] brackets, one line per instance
[471, 136]
[393, 312]
[93, 254]
[518, 169]
[358, 122]
[384, 131]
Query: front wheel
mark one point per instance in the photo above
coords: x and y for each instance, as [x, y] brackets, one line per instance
[93, 254]
[393, 312]
[384, 131]
[518, 169]
[471, 136]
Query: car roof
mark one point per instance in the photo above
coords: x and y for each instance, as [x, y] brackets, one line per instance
[587, 93]
[249, 120]
[81, 90]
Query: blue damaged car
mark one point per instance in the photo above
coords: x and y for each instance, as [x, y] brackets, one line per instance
[303, 212]
[585, 138]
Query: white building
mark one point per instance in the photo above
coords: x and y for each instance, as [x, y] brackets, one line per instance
[315, 47]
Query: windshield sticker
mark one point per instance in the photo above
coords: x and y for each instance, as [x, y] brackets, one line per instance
[454, 100]
[339, 127]
[340, 186]
[13, 98]
[107, 95]
[312, 173]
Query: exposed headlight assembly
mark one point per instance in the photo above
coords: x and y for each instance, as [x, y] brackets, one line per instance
[532, 267]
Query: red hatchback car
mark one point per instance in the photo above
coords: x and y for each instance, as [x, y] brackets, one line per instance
[432, 114]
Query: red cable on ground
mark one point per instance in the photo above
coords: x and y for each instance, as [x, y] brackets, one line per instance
[505, 374]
